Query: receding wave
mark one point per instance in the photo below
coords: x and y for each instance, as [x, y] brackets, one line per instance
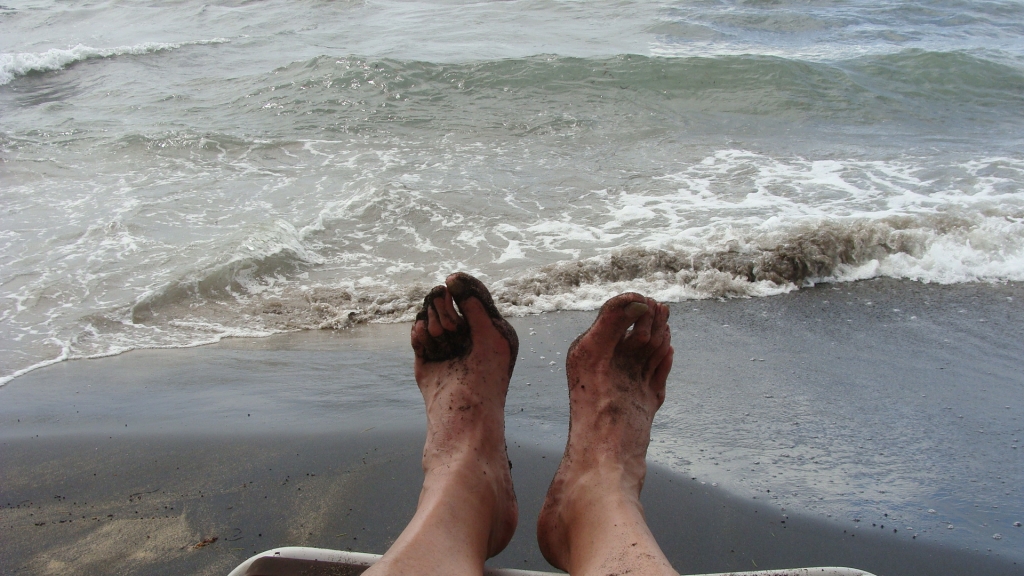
[23, 63]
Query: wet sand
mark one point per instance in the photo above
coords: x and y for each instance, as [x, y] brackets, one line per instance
[124, 465]
[145, 506]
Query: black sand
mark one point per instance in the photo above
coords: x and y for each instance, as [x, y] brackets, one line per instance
[124, 465]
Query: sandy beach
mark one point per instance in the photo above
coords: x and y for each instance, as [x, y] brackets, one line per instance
[794, 425]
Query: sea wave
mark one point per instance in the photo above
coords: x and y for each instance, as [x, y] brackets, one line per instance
[17, 64]
[273, 254]
[944, 249]
[941, 248]
[351, 93]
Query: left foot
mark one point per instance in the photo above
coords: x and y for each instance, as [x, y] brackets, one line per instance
[592, 520]
[463, 366]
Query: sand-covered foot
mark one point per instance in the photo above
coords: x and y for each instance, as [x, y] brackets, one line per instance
[617, 372]
[463, 365]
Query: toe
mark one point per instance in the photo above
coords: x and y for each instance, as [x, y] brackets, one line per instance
[480, 313]
[479, 321]
[434, 326]
[658, 354]
[641, 333]
[659, 327]
[419, 335]
[435, 336]
[450, 319]
[474, 302]
[660, 376]
[616, 316]
[660, 317]
[429, 314]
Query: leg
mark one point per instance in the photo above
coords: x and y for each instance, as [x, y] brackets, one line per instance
[592, 521]
[467, 509]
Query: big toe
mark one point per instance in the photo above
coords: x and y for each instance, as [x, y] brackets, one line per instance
[474, 300]
[477, 307]
[616, 316]
[462, 287]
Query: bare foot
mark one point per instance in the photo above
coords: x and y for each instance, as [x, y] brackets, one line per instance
[463, 366]
[592, 519]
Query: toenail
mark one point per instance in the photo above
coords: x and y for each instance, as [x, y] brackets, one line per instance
[636, 309]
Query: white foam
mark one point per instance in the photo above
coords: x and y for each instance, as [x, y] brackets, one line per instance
[703, 285]
[820, 52]
[21, 63]
[65, 353]
[990, 252]
[280, 238]
[513, 251]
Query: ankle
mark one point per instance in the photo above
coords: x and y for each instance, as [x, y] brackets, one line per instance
[582, 506]
[608, 467]
[460, 461]
[607, 485]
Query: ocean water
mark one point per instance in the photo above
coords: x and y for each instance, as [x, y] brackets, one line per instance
[176, 172]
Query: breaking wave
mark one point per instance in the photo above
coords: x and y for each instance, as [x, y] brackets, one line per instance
[943, 249]
[24, 63]
[261, 260]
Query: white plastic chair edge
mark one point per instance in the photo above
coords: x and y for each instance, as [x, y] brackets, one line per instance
[362, 559]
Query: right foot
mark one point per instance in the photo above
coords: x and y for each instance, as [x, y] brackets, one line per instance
[617, 381]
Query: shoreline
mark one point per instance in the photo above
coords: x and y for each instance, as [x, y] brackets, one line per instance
[593, 303]
[221, 408]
